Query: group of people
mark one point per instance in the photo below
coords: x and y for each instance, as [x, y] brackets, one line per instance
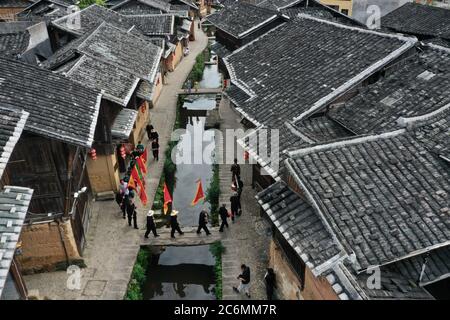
[126, 194]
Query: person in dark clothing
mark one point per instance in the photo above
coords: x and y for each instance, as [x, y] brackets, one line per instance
[151, 133]
[155, 149]
[203, 222]
[234, 202]
[124, 205]
[174, 224]
[119, 198]
[240, 186]
[270, 283]
[244, 278]
[132, 214]
[223, 213]
[151, 226]
[235, 170]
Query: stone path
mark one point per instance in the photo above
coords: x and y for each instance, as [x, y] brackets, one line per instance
[189, 238]
[247, 240]
[112, 246]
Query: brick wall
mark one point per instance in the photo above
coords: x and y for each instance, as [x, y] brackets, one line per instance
[43, 249]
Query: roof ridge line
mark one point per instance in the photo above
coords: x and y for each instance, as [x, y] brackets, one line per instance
[296, 132]
[408, 121]
[436, 47]
[348, 85]
[342, 143]
[359, 29]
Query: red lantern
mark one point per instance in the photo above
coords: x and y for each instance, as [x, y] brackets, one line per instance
[246, 155]
[122, 152]
[93, 153]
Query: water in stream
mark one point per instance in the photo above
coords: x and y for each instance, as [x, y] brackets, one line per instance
[188, 272]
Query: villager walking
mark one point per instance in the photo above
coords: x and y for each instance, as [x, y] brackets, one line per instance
[124, 194]
[131, 213]
[234, 203]
[270, 280]
[203, 222]
[174, 224]
[235, 170]
[151, 133]
[244, 278]
[155, 149]
[223, 213]
[151, 226]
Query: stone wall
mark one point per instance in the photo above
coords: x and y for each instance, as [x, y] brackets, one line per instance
[289, 284]
[43, 248]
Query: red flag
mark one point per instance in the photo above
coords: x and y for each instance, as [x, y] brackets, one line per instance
[144, 155]
[142, 163]
[167, 198]
[140, 187]
[199, 194]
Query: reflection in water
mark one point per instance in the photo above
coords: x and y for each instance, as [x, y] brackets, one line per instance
[189, 274]
[211, 77]
[197, 160]
[200, 102]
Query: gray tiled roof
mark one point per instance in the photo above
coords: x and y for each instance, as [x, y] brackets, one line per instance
[422, 20]
[277, 4]
[417, 87]
[14, 44]
[12, 122]
[328, 60]
[123, 124]
[386, 196]
[134, 54]
[234, 93]
[125, 50]
[240, 18]
[299, 224]
[434, 132]
[90, 18]
[306, 133]
[220, 49]
[393, 285]
[136, 7]
[145, 90]
[153, 25]
[437, 266]
[45, 10]
[14, 202]
[59, 108]
[118, 84]
[15, 3]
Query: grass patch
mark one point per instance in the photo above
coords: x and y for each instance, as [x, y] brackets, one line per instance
[212, 195]
[217, 249]
[138, 276]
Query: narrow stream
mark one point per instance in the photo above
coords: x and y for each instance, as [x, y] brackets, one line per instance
[188, 272]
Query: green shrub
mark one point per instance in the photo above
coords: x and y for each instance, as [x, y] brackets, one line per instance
[213, 194]
[138, 276]
[217, 249]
